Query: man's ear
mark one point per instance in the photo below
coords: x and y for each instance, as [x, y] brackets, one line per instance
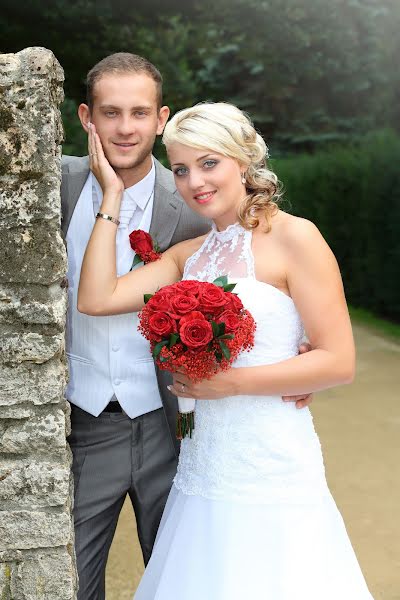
[84, 116]
[163, 115]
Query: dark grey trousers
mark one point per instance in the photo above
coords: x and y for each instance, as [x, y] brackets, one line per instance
[113, 456]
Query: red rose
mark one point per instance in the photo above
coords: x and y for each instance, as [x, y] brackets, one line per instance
[212, 298]
[196, 333]
[161, 325]
[233, 302]
[181, 304]
[148, 257]
[191, 317]
[140, 241]
[160, 301]
[189, 285]
[142, 244]
[231, 320]
[168, 290]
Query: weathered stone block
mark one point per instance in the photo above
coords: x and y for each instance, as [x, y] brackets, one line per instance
[37, 384]
[36, 304]
[47, 577]
[16, 412]
[25, 529]
[36, 533]
[5, 581]
[33, 62]
[29, 200]
[32, 255]
[16, 347]
[34, 484]
[11, 556]
[40, 576]
[30, 124]
[39, 434]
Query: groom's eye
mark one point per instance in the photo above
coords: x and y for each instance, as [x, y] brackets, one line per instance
[111, 113]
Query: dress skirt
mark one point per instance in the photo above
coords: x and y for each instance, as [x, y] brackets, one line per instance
[210, 549]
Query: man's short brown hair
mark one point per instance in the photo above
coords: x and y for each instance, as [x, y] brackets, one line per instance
[122, 62]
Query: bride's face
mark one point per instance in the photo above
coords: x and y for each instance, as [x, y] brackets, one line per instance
[209, 182]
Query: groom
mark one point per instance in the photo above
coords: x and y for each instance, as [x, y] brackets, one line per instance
[122, 415]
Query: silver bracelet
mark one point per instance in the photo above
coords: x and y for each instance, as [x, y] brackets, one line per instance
[107, 218]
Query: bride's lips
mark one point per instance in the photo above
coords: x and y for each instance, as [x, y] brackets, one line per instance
[204, 197]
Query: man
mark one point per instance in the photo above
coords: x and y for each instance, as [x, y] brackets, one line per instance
[122, 417]
[120, 438]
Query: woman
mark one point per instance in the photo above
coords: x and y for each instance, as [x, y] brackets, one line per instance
[250, 514]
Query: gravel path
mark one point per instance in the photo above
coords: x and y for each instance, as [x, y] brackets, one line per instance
[359, 427]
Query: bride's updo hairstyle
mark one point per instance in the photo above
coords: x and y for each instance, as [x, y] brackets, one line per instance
[223, 128]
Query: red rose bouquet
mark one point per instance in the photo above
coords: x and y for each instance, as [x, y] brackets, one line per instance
[197, 327]
[146, 250]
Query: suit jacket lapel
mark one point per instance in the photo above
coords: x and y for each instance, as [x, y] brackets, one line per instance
[167, 207]
[72, 182]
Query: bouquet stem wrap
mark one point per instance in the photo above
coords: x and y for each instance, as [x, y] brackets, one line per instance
[185, 419]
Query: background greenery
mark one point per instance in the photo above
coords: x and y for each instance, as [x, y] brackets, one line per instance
[353, 193]
[318, 77]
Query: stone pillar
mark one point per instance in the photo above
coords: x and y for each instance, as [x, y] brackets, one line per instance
[36, 532]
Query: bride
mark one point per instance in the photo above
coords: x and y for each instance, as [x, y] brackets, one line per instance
[249, 515]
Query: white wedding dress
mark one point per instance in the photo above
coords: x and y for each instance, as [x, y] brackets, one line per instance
[250, 516]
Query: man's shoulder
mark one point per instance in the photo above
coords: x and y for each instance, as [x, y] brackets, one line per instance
[165, 178]
[74, 164]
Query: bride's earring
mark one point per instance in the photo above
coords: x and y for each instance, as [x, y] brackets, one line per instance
[243, 178]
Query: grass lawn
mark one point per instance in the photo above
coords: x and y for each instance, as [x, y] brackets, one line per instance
[364, 317]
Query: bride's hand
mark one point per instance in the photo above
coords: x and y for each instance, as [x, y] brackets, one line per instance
[219, 386]
[108, 179]
[222, 385]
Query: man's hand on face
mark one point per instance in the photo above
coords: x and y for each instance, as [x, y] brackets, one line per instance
[301, 400]
[108, 179]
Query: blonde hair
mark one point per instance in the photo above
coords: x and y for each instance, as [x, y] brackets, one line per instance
[223, 128]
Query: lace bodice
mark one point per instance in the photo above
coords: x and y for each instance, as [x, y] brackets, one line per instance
[250, 448]
[225, 252]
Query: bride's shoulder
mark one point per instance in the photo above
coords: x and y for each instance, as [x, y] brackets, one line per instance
[296, 233]
[184, 249]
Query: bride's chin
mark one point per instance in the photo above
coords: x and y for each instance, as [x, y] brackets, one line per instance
[201, 209]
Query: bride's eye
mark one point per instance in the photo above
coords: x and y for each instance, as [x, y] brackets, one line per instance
[210, 163]
[179, 171]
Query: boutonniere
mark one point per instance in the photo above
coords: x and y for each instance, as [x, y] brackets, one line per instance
[146, 250]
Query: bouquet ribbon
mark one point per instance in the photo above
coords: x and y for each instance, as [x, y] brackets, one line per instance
[185, 420]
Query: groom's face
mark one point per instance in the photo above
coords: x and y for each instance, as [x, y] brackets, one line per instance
[127, 118]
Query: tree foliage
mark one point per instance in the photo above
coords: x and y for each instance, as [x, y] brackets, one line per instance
[307, 72]
[352, 194]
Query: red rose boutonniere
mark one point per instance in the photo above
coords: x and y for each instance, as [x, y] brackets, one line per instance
[146, 250]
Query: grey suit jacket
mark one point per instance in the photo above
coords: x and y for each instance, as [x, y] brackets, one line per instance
[172, 221]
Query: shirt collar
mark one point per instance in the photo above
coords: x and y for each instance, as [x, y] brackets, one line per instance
[140, 193]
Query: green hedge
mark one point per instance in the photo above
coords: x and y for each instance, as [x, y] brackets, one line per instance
[353, 195]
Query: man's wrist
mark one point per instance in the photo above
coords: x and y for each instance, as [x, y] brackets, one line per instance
[111, 207]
